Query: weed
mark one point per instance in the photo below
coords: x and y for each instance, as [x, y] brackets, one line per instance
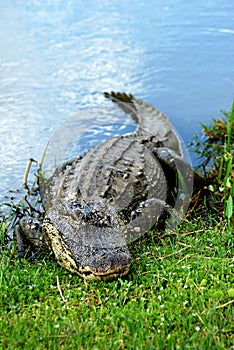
[217, 155]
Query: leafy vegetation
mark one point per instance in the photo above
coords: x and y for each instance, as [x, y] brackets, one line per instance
[179, 293]
[217, 155]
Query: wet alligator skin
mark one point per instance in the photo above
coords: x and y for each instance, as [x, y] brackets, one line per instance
[98, 202]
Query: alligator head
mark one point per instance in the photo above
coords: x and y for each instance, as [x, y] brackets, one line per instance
[87, 241]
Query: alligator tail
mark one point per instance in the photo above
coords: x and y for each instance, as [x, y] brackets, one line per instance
[149, 119]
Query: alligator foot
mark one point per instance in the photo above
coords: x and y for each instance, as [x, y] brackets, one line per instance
[28, 238]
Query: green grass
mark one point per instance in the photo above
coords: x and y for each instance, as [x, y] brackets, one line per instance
[179, 293]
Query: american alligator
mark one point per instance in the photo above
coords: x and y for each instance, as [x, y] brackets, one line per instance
[98, 202]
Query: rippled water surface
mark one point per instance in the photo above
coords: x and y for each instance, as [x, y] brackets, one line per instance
[57, 57]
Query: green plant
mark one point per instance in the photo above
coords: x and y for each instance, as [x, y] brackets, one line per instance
[216, 152]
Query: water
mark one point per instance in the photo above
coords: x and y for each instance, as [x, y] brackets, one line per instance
[57, 57]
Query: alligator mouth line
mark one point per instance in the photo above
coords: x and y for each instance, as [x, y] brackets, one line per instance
[109, 275]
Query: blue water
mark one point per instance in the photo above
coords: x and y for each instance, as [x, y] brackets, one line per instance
[57, 57]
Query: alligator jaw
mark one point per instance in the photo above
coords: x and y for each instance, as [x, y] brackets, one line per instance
[106, 265]
[88, 274]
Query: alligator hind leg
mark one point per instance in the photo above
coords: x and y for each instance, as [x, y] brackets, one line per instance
[174, 163]
[180, 177]
[28, 237]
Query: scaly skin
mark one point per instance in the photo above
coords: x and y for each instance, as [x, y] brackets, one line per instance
[97, 203]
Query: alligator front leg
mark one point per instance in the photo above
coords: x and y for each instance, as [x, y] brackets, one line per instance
[146, 216]
[28, 237]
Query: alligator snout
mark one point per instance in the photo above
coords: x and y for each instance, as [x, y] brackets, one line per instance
[107, 264]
